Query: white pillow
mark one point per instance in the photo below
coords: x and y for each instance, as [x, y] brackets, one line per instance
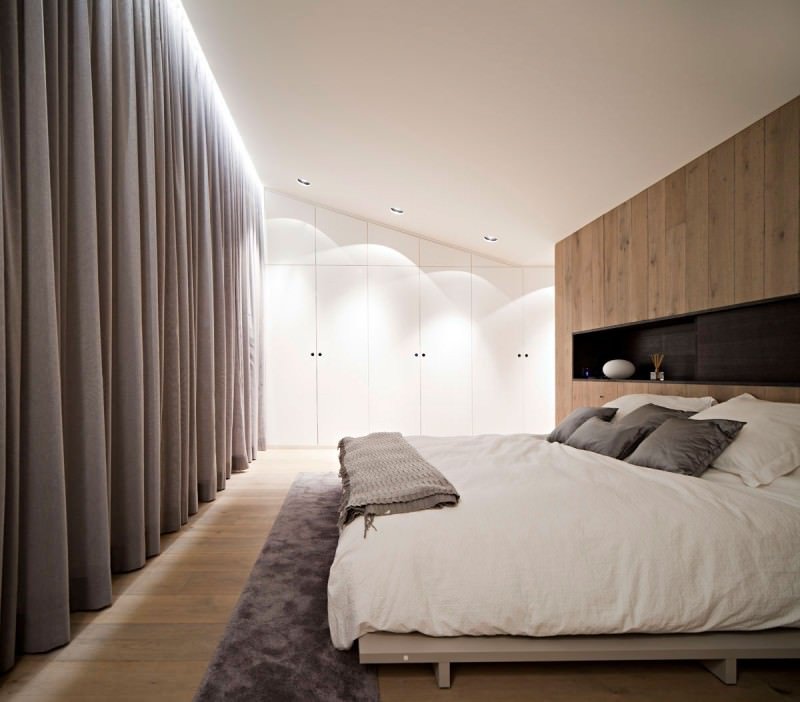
[627, 403]
[767, 447]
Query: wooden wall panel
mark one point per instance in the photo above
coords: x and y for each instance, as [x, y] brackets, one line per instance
[587, 312]
[720, 225]
[781, 188]
[632, 388]
[582, 395]
[618, 263]
[656, 252]
[635, 278]
[697, 287]
[564, 327]
[594, 393]
[674, 262]
[724, 229]
[748, 220]
[612, 268]
[776, 394]
[625, 262]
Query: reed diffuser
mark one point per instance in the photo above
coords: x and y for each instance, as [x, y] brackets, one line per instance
[657, 359]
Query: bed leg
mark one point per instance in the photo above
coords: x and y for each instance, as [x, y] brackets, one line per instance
[724, 669]
[442, 672]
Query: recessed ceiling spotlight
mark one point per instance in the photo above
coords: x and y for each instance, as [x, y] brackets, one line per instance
[396, 210]
[489, 238]
[305, 183]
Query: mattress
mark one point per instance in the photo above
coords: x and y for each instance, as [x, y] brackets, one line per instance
[551, 540]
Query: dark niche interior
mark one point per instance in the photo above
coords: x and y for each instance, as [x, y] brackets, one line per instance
[755, 344]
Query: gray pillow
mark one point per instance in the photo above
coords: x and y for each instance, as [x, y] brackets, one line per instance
[651, 417]
[612, 440]
[577, 417]
[687, 446]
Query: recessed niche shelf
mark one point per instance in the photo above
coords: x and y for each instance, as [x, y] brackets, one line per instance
[755, 344]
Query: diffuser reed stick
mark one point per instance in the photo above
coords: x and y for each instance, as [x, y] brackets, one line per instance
[657, 359]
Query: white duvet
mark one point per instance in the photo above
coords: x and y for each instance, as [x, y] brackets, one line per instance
[551, 540]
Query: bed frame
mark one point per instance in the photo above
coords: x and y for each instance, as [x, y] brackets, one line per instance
[717, 651]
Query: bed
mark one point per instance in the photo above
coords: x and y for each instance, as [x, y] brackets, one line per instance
[557, 553]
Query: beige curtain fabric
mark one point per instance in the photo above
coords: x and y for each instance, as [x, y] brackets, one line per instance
[131, 363]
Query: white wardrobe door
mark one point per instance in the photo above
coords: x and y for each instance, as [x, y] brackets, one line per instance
[540, 383]
[290, 229]
[341, 240]
[393, 341]
[342, 361]
[291, 392]
[388, 247]
[439, 255]
[497, 351]
[445, 324]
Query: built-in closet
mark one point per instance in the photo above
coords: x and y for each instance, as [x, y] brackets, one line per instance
[372, 329]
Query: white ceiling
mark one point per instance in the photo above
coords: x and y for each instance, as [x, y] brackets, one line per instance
[520, 118]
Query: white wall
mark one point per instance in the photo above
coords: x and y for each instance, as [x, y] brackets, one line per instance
[372, 329]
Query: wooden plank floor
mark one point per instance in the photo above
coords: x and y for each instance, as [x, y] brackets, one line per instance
[155, 642]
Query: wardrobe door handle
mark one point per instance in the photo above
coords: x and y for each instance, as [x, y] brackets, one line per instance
[423, 355]
[320, 354]
[416, 355]
[519, 355]
[526, 355]
[312, 353]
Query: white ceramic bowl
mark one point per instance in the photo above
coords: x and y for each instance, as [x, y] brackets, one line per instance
[619, 369]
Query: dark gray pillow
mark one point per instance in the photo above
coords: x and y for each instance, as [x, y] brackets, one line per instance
[577, 417]
[651, 417]
[687, 446]
[613, 440]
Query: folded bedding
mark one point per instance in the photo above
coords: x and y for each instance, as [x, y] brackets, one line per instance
[552, 540]
[383, 474]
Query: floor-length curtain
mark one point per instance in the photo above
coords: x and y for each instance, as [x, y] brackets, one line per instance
[130, 271]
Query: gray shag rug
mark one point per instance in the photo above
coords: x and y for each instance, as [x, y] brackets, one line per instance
[277, 645]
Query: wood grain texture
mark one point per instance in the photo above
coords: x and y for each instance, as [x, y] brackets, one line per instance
[587, 292]
[564, 326]
[582, 393]
[154, 643]
[624, 262]
[635, 276]
[720, 224]
[619, 264]
[749, 214]
[722, 230]
[656, 250]
[612, 266]
[593, 393]
[674, 262]
[781, 195]
[697, 259]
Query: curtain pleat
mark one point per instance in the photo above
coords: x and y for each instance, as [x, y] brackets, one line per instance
[131, 354]
[79, 313]
[218, 299]
[43, 621]
[10, 160]
[149, 266]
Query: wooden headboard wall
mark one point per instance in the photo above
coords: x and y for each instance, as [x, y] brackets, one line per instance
[722, 230]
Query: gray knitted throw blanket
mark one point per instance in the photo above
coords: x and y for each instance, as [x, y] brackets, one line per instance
[383, 474]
